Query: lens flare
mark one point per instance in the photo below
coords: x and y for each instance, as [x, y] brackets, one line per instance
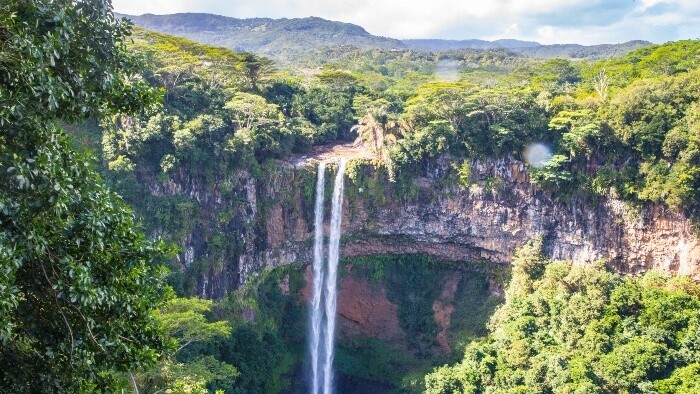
[537, 154]
[447, 70]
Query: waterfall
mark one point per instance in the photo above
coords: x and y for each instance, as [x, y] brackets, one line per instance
[316, 314]
[321, 341]
[333, 256]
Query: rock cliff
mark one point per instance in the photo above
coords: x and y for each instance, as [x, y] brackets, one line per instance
[433, 215]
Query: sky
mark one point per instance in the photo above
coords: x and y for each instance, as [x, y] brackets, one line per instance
[545, 21]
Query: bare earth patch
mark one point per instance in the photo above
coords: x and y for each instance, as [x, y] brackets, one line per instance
[443, 308]
[329, 153]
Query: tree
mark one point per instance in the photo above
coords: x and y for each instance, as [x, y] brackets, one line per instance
[259, 127]
[78, 281]
[377, 129]
[601, 83]
[372, 128]
[580, 131]
[582, 329]
[255, 69]
[558, 71]
[184, 320]
[338, 79]
[250, 110]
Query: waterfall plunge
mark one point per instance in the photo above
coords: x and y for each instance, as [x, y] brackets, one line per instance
[330, 295]
[333, 256]
[316, 314]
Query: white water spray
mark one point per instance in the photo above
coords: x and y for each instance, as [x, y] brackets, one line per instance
[331, 279]
[316, 313]
[321, 341]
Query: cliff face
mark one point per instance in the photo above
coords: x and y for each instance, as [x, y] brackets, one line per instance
[432, 215]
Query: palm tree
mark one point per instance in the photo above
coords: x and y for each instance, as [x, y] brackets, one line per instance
[376, 129]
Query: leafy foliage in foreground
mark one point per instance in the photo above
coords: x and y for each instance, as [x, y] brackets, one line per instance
[569, 329]
[78, 280]
[186, 324]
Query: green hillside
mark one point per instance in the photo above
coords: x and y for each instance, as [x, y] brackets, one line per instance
[529, 48]
[283, 39]
[278, 37]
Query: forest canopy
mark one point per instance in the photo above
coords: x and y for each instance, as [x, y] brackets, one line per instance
[575, 329]
[622, 127]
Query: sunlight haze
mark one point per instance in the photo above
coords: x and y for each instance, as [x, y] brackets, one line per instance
[545, 21]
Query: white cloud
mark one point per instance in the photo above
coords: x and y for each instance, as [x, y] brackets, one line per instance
[548, 21]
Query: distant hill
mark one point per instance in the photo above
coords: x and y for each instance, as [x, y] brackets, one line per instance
[436, 45]
[264, 35]
[530, 48]
[576, 51]
[282, 38]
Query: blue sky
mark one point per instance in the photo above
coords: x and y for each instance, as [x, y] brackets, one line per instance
[545, 21]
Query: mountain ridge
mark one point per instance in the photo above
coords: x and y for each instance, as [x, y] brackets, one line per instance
[263, 35]
[432, 44]
[280, 37]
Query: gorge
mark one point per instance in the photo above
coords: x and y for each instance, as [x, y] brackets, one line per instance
[353, 219]
[431, 215]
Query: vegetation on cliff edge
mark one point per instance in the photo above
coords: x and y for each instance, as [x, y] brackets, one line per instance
[569, 329]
